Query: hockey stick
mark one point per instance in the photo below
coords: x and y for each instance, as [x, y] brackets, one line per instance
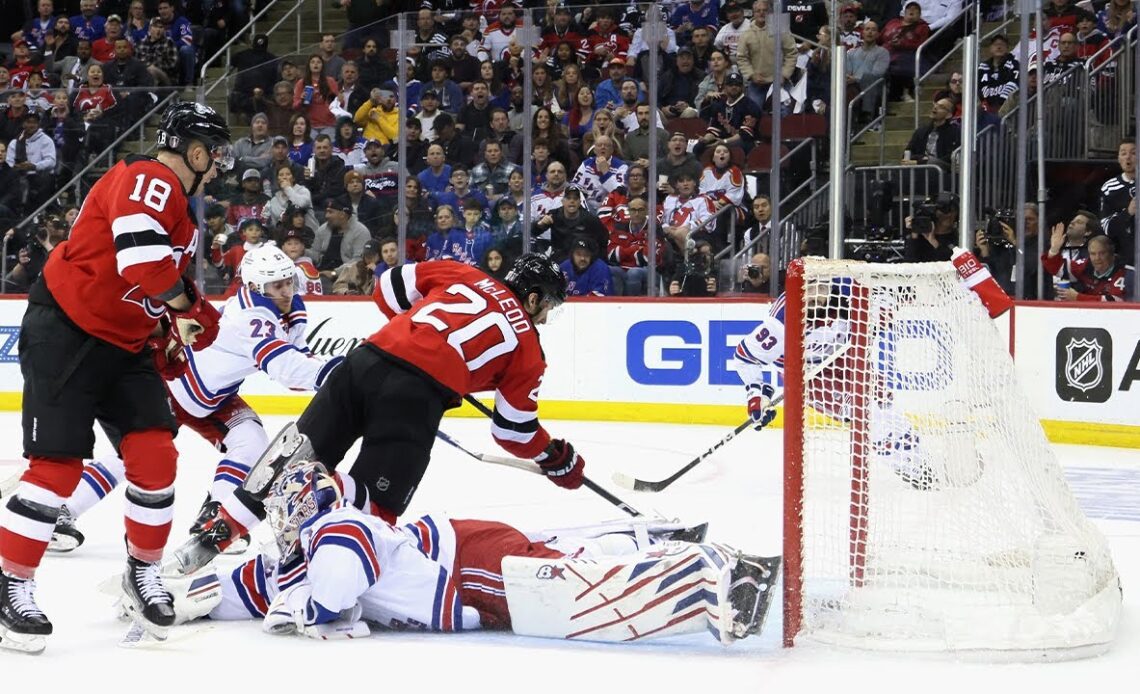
[632, 483]
[518, 463]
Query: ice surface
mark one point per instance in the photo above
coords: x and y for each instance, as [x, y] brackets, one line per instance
[737, 491]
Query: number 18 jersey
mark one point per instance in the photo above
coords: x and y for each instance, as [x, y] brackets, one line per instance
[467, 332]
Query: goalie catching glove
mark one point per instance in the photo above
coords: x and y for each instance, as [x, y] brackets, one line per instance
[562, 464]
[197, 325]
[294, 611]
[760, 409]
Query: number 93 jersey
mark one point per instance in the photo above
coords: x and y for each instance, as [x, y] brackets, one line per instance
[469, 333]
[132, 240]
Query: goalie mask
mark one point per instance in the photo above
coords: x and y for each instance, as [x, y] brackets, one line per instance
[827, 298]
[268, 264]
[304, 491]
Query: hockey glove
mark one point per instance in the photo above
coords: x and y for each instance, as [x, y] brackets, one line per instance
[562, 464]
[168, 354]
[760, 408]
[198, 325]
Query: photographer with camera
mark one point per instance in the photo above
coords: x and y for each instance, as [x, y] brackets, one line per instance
[931, 230]
[756, 276]
[31, 258]
[997, 249]
[696, 276]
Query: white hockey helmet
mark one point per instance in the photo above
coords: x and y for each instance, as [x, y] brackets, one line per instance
[304, 490]
[268, 264]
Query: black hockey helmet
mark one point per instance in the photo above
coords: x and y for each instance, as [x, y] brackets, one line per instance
[184, 122]
[536, 273]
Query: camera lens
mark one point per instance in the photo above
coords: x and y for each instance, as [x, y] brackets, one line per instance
[753, 272]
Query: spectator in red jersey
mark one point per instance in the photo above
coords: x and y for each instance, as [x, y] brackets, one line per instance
[628, 252]
[228, 262]
[313, 94]
[901, 37]
[1060, 14]
[250, 201]
[605, 42]
[103, 49]
[96, 105]
[1102, 277]
[22, 64]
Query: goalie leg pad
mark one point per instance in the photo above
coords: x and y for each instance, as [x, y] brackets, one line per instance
[674, 588]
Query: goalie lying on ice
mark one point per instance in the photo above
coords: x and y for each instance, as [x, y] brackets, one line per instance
[342, 569]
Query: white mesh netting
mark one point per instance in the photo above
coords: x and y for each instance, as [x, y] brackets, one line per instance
[935, 514]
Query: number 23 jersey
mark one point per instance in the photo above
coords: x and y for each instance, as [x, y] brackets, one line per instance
[468, 332]
[131, 242]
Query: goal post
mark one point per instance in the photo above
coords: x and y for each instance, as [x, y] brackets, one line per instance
[924, 509]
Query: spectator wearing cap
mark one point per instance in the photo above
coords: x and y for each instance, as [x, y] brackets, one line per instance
[380, 175]
[450, 95]
[429, 112]
[278, 157]
[901, 37]
[254, 151]
[734, 119]
[728, 37]
[292, 243]
[347, 144]
[608, 92]
[378, 116]
[160, 56]
[23, 64]
[678, 87]
[493, 172]
[586, 273]
[507, 229]
[755, 54]
[251, 234]
[352, 94]
[365, 207]
[339, 240]
[103, 48]
[255, 75]
[59, 44]
[463, 66]
[457, 147]
[358, 277]
[460, 190]
[250, 201]
[850, 29]
[290, 195]
[558, 229]
[324, 176]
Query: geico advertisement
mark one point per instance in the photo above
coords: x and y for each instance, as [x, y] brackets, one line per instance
[1080, 365]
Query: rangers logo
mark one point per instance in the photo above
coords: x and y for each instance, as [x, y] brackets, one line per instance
[1083, 364]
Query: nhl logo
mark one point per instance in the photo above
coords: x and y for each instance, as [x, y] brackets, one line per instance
[1084, 364]
[1083, 369]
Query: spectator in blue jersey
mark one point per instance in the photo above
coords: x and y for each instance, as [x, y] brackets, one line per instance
[178, 30]
[471, 245]
[450, 95]
[695, 13]
[437, 243]
[586, 273]
[608, 92]
[87, 25]
[461, 191]
[437, 176]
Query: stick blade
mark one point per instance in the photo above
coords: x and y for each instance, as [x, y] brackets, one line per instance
[633, 484]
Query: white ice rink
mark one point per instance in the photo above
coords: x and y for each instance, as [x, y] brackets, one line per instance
[737, 491]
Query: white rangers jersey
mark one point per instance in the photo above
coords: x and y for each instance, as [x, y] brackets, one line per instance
[544, 202]
[400, 580]
[763, 348]
[252, 335]
[596, 186]
[731, 181]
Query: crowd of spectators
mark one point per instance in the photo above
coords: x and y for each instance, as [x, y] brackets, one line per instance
[318, 170]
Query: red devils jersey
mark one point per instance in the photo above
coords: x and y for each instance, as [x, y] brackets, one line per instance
[130, 243]
[468, 332]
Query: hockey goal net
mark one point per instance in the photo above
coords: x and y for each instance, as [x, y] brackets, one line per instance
[924, 508]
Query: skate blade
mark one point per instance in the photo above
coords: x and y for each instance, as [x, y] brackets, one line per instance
[61, 544]
[238, 546]
[289, 444]
[32, 644]
[143, 634]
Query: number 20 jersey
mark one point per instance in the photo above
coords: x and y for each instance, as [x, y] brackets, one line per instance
[131, 242]
[468, 332]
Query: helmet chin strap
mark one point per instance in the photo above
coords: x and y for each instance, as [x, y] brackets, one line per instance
[198, 175]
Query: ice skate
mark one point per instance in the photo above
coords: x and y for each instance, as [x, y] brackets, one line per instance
[147, 600]
[207, 515]
[23, 626]
[66, 537]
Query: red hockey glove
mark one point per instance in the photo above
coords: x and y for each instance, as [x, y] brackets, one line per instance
[168, 354]
[562, 464]
[197, 326]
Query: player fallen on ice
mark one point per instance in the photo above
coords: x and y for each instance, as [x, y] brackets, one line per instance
[340, 569]
[113, 285]
[262, 329]
[452, 330]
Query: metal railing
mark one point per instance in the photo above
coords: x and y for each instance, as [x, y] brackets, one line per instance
[994, 170]
[919, 75]
[908, 185]
[205, 90]
[1109, 95]
[880, 120]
